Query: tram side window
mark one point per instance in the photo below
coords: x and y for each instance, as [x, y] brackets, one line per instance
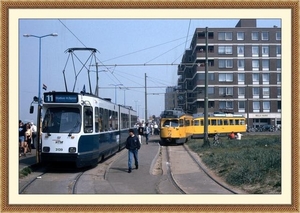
[242, 122]
[187, 122]
[220, 123]
[133, 120]
[231, 122]
[201, 122]
[105, 119]
[113, 120]
[213, 122]
[225, 122]
[124, 121]
[237, 122]
[97, 119]
[181, 122]
[196, 122]
[101, 125]
[88, 119]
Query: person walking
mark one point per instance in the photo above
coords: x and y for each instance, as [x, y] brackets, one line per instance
[28, 137]
[21, 139]
[133, 145]
[34, 134]
[147, 132]
[140, 132]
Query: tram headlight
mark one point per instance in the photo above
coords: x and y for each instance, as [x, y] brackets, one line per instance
[46, 149]
[72, 149]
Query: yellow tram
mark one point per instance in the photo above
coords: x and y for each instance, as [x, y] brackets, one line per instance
[219, 123]
[175, 127]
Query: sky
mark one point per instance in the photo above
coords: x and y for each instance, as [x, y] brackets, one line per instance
[127, 50]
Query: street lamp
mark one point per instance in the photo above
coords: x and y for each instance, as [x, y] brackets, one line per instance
[39, 90]
[124, 88]
[115, 85]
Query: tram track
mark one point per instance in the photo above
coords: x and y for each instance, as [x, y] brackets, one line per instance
[170, 174]
[66, 181]
[182, 165]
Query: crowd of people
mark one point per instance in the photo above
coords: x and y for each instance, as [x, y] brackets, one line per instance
[27, 135]
[146, 129]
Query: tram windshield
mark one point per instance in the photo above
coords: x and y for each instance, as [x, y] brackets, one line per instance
[170, 123]
[62, 120]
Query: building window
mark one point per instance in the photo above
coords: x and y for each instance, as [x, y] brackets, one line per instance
[266, 78]
[265, 50]
[225, 36]
[255, 64]
[201, 76]
[241, 64]
[226, 91]
[225, 77]
[211, 90]
[266, 92]
[241, 78]
[255, 78]
[255, 92]
[278, 35]
[254, 36]
[240, 50]
[256, 106]
[278, 64]
[265, 64]
[279, 106]
[241, 106]
[225, 105]
[278, 92]
[278, 50]
[266, 106]
[255, 51]
[240, 36]
[241, 92]
[225, 63]
[225, 50]
[278, 78]
[265, 36]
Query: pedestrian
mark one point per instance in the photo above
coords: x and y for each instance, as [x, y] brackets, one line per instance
[34, 134]
[133, 145]
[147, 132]
[21, 138]
[140, 132]
[152, 129]
[28, 137]
[231, 136]
[156, 132]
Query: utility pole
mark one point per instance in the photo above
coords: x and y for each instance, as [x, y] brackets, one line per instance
[97, 79]
[146, 97]
[205, 139]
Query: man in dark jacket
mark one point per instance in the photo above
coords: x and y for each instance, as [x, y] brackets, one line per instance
[133, 145]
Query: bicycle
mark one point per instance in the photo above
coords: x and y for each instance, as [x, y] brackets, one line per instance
[216, 140]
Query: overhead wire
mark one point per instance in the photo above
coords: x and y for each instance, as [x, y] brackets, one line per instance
[113, 73]
[82, 43]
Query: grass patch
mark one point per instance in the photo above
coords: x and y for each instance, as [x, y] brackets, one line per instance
[24, 172]
[252, 164]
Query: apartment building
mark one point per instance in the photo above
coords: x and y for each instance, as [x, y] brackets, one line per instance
[244, 72]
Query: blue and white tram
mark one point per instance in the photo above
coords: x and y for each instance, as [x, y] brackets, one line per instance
[82, 128]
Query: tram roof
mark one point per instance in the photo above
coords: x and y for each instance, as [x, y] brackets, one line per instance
[172, 114]
[222, 115]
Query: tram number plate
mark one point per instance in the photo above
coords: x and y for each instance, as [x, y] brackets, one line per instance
[59, 149]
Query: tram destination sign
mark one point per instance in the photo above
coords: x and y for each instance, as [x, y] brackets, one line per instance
[60, 98]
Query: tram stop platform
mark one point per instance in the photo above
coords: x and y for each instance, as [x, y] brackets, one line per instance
[29, 160]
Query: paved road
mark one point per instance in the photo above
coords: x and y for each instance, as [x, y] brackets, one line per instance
[112, 177]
